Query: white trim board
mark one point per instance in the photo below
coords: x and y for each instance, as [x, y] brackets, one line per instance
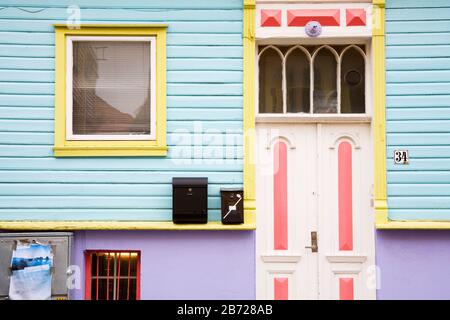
[69, 90]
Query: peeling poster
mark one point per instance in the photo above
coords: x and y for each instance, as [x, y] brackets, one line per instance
[31, 277]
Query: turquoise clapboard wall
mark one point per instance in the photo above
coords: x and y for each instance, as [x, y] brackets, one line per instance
[204, 104]
[418, 108]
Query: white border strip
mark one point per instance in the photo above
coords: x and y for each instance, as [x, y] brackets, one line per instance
[69, 90]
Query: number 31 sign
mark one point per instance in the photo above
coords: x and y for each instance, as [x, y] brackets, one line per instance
[401, 157]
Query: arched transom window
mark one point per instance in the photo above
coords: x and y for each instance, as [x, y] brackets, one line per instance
[312, 79]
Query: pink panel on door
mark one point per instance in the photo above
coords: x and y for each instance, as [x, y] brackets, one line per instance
[270, 18]
[345, 196]
[346, 289]
[281, 288]
[326, 17]
[280, 199]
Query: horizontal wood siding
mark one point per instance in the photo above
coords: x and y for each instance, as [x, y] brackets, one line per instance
[204, 113]
[418, 108]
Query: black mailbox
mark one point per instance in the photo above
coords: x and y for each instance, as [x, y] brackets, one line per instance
[232, 206]
[190, 200]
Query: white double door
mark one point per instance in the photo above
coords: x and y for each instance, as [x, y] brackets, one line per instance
[315, 223]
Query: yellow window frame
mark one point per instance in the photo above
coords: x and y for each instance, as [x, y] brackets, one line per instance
[66, 148]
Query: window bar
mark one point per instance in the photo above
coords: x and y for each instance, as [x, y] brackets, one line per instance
[311, 83]
[114, 276]
[129, 274]
[284, 83]
[338, 82]
[118, 279]
[96, 282]
[107, 278]
[367, 92]
[137, 278]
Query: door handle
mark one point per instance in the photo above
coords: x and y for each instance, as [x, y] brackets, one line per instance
[314, 246]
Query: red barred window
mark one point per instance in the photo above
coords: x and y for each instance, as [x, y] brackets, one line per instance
[112, 275]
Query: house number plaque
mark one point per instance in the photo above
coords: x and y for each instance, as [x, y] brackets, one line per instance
[401, 157]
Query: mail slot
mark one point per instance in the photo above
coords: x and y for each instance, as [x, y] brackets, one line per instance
[232, 205]
[190, 200]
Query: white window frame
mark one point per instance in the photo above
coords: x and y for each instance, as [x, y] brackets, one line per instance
[311, 116]
[69, 90]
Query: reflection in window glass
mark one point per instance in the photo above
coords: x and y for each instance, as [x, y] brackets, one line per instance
[297, 82]
[270, 82]
[111, 87]
[353, 82]
[325, 83]
[295, 87]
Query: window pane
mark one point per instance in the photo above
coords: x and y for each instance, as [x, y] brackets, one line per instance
[111, 87]
[127, 289]
[353, 82]
[94, 258]
[128, 261]
[94, 289]
[297, 82]
[103, 264]
[102, 288]
[325, 83]
[270, 75]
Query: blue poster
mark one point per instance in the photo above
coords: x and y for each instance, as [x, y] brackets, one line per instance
[31, 277]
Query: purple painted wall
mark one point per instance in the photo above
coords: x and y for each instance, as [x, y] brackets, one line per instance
[221, 265]
[413, 264]
[182, 264]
